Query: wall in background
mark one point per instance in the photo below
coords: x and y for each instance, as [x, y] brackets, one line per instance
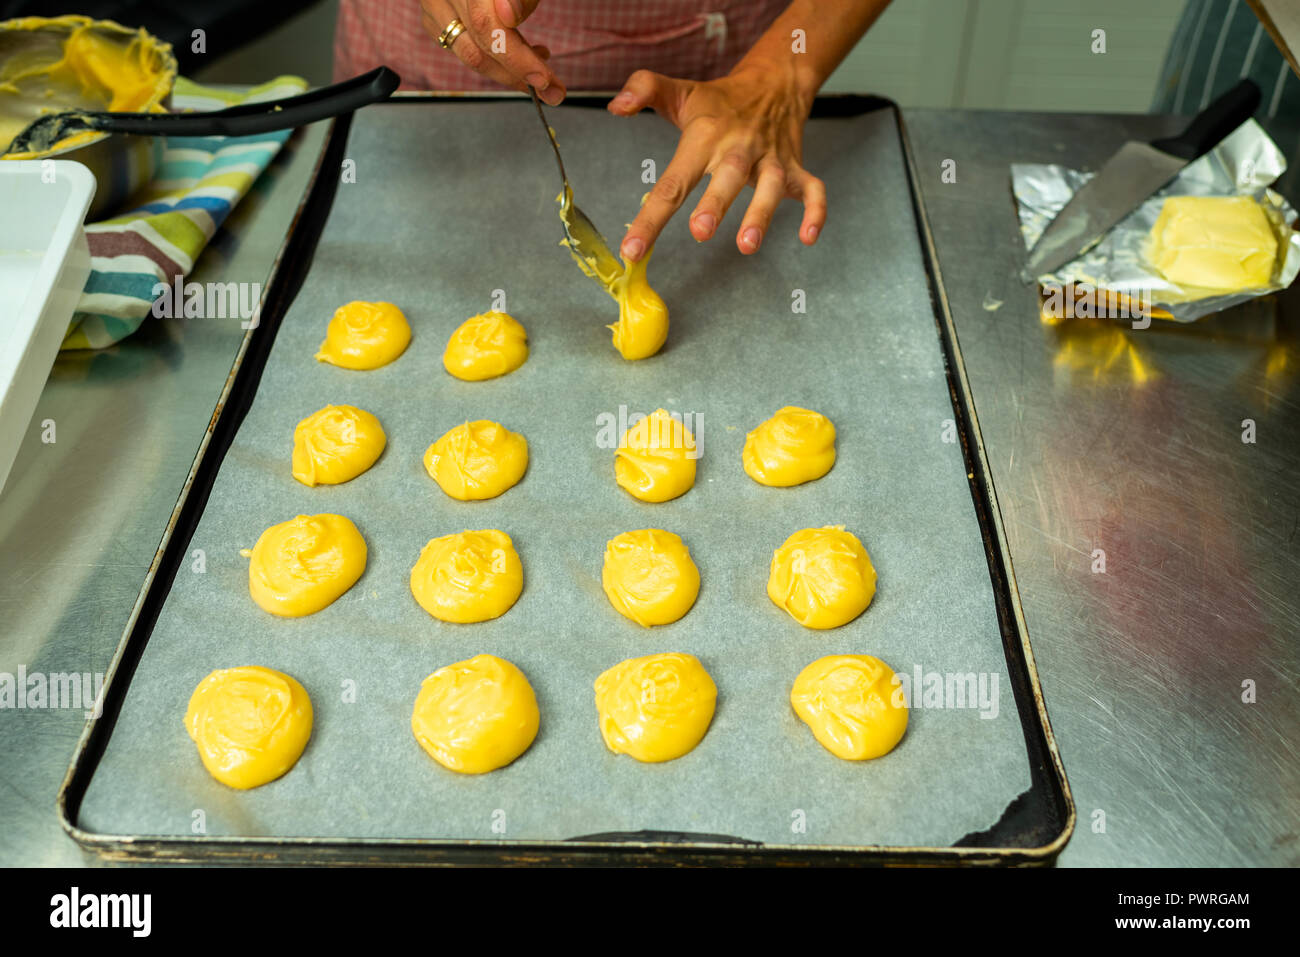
[302, 46]
[1014, 54]
[978, 54]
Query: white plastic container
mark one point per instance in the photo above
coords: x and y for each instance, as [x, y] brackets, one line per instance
[44, 262]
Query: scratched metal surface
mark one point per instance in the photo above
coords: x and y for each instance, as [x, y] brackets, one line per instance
[1104, 437]
[80, 519]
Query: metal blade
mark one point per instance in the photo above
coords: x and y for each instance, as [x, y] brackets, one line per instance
[1121, 186]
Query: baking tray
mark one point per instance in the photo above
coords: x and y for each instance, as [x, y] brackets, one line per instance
[875, 350]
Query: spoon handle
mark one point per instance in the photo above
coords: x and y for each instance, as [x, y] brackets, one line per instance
[551, 136]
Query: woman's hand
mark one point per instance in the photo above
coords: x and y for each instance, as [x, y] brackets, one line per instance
[746, 127]
[491, 43]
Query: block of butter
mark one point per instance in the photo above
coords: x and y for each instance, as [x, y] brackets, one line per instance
[1214, 242]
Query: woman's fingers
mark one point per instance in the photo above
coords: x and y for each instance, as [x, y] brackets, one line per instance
[724, 132]
[812, 191]
[647, 90]
[435, 15]
[669, 192]
[489, 47]
[725, 183]
[509, 50]
[769, 190]
[638, 93]
[514, 12]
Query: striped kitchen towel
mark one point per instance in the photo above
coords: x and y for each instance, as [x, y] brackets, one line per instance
[197, 184]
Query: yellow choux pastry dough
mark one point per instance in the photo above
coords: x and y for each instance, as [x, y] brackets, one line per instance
[852, 704]
[468, 577]
[300, 566]
[475, 716]
[365, 335]
[649, 576]
[477, 460]
[486, 346]
[822, 576]
[100, 64]
[249, 724]
[655, 460]
[792, 447]
[642, 325]
[655, 708]
[336, 445]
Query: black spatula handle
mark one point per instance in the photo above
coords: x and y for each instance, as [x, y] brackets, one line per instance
[1214, 122]
[250, 118]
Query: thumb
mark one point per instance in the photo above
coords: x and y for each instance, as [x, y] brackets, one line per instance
[645, 89]
[514, 12]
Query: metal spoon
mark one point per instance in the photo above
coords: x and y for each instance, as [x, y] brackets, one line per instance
[242, 120]
[588, 247]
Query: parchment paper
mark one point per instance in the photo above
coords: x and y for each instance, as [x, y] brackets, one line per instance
[452, 201]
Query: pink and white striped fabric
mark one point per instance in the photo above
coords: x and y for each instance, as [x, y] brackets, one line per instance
[594, 44]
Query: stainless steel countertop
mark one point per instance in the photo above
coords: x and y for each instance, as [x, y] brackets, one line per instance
[1098, 436]
[1104, 437]
[80, 519]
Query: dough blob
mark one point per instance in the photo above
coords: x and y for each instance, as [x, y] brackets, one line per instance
[468, 577]
[486, 346]
[822, 576]
[365, 335]
[250, 724]
[642, 325]
[475, 716]
[655, 461]
[655, 708]
[477, 460]
[300, 566]
[336, 445]
[792, 447]
[649, 576]
[852, 705]
[1214, 242]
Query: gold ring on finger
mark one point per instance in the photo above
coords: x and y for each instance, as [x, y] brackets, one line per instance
[449, 33]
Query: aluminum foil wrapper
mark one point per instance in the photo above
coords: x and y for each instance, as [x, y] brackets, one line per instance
[1246, 163]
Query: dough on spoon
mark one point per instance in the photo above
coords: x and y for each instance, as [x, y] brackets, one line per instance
[822, 576]
[852, 704]
[335, 445]
[468, 577]
[486, 346]
[649, 576]
[792, 447]
[249, 724]
[655, 460]
[300, 566]
[365, 335]
[475, 716]
[642, 323]
[477, 460]
[655, 708]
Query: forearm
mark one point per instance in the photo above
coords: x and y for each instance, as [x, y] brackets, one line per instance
[830, 28]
